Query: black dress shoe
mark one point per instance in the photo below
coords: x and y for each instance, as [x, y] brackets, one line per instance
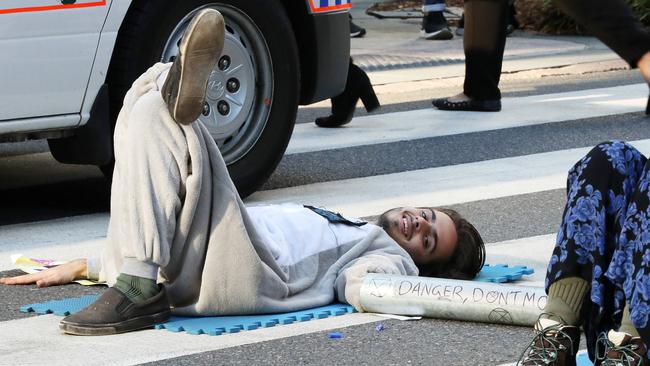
[357, 86]
[469, 105]
[114, 313]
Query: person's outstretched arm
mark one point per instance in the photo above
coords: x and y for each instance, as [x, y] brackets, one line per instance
[59, 275]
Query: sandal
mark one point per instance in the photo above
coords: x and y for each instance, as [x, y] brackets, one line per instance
[469, 105]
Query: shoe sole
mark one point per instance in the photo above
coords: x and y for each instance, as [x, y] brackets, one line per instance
[487, 106]
[199, 53]
[443, 34]
[357, 34]
[470, 109]
[143, 322]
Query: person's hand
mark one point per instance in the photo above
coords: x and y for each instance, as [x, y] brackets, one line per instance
[58, 275]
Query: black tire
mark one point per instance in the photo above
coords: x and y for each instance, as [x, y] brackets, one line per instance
[143, 37]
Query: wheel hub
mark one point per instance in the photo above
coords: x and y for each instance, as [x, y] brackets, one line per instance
[216, 87]
[235, 112]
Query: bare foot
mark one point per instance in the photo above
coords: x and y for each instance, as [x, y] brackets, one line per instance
[462, 97]
[644, 66]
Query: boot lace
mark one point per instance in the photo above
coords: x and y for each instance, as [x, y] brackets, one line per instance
[545, 346]
[625, 354]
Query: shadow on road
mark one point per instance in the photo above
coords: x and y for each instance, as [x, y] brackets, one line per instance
[54, 200]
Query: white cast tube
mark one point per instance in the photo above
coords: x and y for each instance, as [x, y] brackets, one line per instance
[452, 299]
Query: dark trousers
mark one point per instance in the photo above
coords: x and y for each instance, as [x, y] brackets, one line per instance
[484, 40]
[611, 21]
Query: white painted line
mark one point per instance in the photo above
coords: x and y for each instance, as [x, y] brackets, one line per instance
[72, 237]
[44, 233]
[64, 239]
[437, 186]
[42, 332]
[430, 122]
[60, 251]
[37, 340]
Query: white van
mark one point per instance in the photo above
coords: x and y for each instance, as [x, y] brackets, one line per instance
[65, 66]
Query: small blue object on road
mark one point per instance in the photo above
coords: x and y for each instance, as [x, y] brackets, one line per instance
[335, 335]
[501, 273]
[379, 327]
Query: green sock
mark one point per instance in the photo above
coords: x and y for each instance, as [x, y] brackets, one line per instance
[137, 289]
[626, 323]
[565, 298]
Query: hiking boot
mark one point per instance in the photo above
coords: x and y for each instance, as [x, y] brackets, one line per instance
[198, 53]
[554, 344]
[621, 349]
[114, 313]
[434, 26]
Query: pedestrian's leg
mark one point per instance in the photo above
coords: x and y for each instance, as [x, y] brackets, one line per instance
[614, 23]
[357, 86]
[433, 5]
[599, 188]
[434, 23]
[484, 42]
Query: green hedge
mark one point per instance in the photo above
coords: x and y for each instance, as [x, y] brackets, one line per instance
[543, 16]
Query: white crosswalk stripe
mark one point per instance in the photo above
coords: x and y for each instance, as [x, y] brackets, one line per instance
[447, 185]
[517, 112]
[57, 349]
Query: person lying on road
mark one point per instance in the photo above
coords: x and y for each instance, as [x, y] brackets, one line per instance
[180, 239]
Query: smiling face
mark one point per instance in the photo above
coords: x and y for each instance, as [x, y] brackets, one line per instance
[428, 235]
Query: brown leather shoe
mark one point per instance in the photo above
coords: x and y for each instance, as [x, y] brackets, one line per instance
[114, 313]
[554, 344]
[198, 54]
[623, 349]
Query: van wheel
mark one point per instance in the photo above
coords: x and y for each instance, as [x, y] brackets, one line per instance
[252, 93]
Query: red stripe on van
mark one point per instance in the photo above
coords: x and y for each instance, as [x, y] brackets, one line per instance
[53, 7]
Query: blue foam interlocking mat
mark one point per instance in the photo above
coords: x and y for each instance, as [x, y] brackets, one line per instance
[215, 325]
[502, 273]
[233, 324]
[62, 307]
[218, 325]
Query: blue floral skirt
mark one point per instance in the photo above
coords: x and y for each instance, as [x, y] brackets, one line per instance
[605, 238]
